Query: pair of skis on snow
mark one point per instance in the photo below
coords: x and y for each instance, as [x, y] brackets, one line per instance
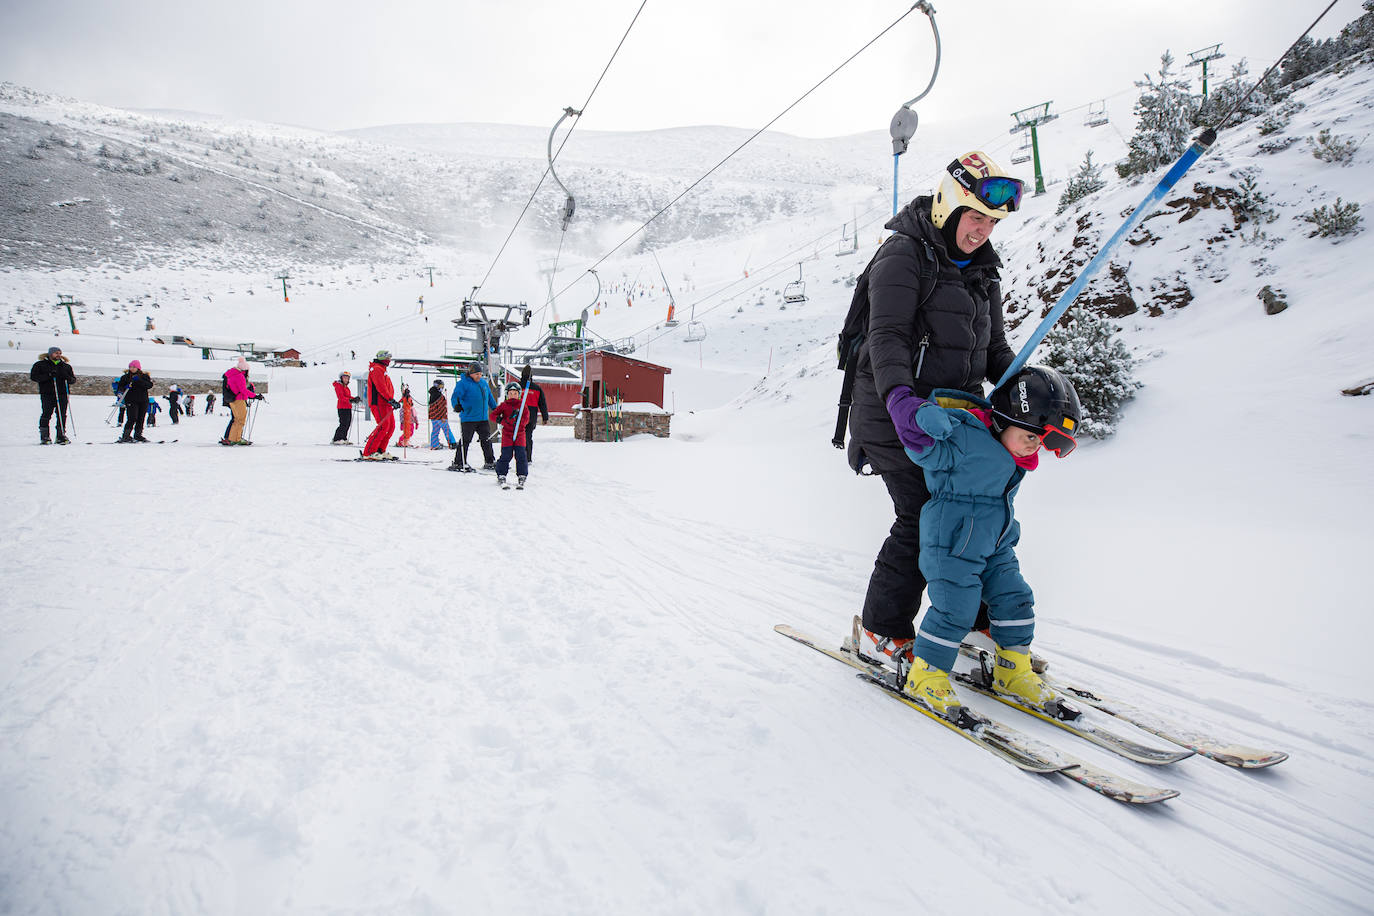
[1032, 755]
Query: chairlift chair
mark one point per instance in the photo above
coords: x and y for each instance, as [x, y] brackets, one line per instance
[1019, 158]
[1097, 114]
[795, 292]
[696, 331]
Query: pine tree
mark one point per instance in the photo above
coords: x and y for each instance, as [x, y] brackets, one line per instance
[1165, 112]
[1085, 349]
[1087, 180]
[1230, 92]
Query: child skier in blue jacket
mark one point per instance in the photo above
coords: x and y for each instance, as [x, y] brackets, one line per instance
[969, 531]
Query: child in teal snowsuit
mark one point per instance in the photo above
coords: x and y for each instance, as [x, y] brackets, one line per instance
[969, 531]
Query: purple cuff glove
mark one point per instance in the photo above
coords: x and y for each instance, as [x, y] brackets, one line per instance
[902, 405]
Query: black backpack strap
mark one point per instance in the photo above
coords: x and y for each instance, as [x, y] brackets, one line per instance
[928, 270]
[851, 366]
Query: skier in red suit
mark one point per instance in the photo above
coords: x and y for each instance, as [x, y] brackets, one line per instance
[381, 400]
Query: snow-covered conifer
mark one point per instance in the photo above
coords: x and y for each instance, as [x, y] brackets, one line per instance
[1087, 180]
[1089, 354]
[1165, 111]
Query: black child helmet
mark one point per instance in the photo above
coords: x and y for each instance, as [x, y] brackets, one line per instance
[1041, 400]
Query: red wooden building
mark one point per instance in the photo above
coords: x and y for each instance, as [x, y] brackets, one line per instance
[634, 380]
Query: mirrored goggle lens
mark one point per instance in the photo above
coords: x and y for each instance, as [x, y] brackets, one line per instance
[1000, 192]
[1058, 441]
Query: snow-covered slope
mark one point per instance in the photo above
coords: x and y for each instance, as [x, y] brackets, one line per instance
[265, 680]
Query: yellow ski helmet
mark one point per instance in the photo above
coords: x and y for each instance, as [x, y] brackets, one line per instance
[975, 181]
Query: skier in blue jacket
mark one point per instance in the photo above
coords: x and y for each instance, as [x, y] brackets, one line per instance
[474, 401]
[973, 466]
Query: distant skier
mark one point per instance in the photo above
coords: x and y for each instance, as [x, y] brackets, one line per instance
[173, 397]
[134, 386]
[237, 391]
[190, 405]
[153, 408]
[438, 416]
[540, 408]
[473, 400]
[381, 401]
[409, 422]
[54, 376]
[344, 399]
[210, 403]
[975, 456]
[514, 419]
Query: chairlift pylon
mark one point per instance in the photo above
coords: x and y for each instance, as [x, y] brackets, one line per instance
[795, 292]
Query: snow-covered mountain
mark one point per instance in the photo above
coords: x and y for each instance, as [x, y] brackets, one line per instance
[265, 680]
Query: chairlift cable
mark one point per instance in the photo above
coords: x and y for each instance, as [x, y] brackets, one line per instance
[540, 183]
[1272, 67]
[752, 137]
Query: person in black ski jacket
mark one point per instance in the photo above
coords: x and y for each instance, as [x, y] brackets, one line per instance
[536, 400]
[54, 376]
[134, 385]
[174, 404]
[937, 327]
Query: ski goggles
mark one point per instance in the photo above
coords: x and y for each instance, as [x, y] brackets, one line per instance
[996, 192]
[1058, 440]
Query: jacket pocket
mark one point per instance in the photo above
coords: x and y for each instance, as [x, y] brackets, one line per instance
[963, 535]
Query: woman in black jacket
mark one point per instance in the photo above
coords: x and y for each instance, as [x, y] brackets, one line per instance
[935, 321]
[134, 385]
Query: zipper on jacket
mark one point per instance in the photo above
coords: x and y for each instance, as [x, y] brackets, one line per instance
[1006, 506]
[921, 356]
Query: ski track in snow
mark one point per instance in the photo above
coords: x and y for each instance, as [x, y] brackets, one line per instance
[263, 680]
[271, 682]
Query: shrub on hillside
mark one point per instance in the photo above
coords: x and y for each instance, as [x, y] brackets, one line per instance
[1330, 148]
[1089, 354]
[1251, 205]
[1339, 219]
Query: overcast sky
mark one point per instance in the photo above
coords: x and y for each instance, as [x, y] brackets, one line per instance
[335, 64]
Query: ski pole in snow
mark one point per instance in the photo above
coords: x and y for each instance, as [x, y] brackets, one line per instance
[520, 414]
[252, 415]
[64, 417]
[1199, 146]
[119, 402]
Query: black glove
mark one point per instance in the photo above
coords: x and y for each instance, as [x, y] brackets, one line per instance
[354, 400]
[395, 404]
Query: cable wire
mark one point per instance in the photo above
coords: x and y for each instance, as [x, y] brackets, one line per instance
[746, 142]
[555, 156]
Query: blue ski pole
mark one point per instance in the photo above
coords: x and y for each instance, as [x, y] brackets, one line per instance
[1145, 208]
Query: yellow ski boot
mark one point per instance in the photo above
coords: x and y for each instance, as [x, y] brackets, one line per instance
[930, 686]
[1013, 676]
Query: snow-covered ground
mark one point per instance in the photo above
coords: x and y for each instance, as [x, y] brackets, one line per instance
[269, 680]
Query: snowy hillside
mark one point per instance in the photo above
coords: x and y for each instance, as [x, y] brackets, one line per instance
[269, 680]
